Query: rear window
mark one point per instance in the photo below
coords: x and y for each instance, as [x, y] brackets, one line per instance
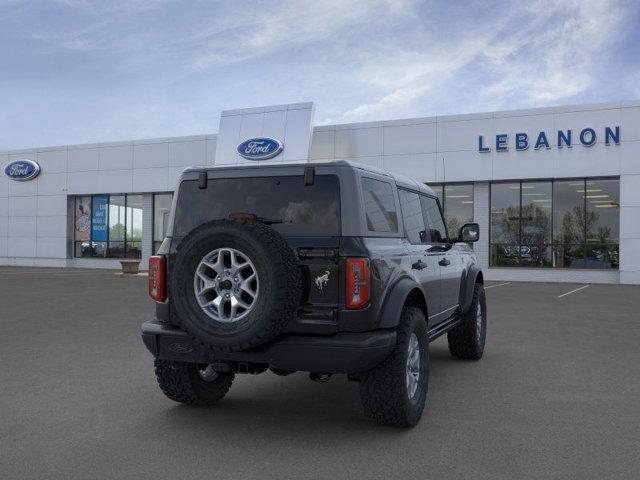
[379, 206]
[285, 203]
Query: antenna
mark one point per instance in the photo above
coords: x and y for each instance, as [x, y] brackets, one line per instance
[444, 171]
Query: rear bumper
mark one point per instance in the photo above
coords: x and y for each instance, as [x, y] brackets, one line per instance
[339, 353]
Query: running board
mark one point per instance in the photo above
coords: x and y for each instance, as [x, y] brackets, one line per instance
[442, 328]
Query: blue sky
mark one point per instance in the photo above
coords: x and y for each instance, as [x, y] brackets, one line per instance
[76, 71]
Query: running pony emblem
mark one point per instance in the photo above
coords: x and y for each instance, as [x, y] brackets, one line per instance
[322, 280]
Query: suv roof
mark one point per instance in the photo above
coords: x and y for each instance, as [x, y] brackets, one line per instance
[400, 180]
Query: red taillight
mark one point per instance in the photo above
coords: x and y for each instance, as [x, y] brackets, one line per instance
[358, 282]
[157, 275]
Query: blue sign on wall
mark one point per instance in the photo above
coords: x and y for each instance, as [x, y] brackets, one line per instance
[99, 206]
[587, 137]
[260, 148]
[22, 170]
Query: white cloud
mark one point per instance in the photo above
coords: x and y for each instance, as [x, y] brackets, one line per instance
[406, 76]
[543, 52]
[160, 68]
[554, 63]
[254, 33]
[120, 6]
[397, 98]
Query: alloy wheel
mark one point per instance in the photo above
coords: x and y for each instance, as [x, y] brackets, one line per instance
[226, 285]
[413, 365]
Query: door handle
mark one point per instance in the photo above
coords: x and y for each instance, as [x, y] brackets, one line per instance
[419, 265]
[444, 262]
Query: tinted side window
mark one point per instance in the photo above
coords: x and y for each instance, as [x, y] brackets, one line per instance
[412, 216]
[380, 206]
[436, 231]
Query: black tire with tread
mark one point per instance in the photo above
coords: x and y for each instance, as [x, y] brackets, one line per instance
[383, 389]
[464, 341]
[278, 273]
[181, 382]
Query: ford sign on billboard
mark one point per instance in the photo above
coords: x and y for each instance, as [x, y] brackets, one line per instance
[22, 170]
[260, 148]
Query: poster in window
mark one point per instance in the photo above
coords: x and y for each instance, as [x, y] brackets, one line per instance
[99, 218]
[83, 219]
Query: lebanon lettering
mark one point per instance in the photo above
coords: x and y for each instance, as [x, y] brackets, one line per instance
[562, 139]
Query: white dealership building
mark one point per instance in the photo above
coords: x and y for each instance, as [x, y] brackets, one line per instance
[556, 190]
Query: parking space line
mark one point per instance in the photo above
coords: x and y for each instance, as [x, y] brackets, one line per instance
[22, 273]
[573, 291]
[497, 285]
[56, 273]
[72, 274]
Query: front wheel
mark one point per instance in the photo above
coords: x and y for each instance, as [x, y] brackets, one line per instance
[394, 392]
[466, 340]
[192, 383]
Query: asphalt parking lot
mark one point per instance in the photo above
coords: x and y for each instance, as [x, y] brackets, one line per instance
[556, 395]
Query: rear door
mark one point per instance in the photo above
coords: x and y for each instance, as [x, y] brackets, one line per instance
[311, 225]
[306, 214]
[424, 266]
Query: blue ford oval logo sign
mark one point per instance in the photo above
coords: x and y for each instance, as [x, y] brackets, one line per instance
[22, 170]
[260, 148]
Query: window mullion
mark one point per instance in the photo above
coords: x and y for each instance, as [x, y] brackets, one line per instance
[108, 216]
[584, 240]
[552, 240]
[520, 225]
[90, 226]
[124, 249]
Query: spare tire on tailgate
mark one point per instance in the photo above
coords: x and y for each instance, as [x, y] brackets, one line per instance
[235, 284]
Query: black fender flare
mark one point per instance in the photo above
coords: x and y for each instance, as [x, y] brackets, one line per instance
[472, 276]
[396, 299]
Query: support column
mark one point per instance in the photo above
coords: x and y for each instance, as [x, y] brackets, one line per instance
[629, 229]
[147, 229]
[481, 215]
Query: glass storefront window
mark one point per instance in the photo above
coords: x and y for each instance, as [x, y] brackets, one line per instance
[108, 226]
[536, 200]
[134, 226]
[603, 223]
[563, 224]
[161, 210]
[603, 211]
[568, 212]
[82, 226]
[569, 223]
[505, 224]
[117, 219]
[99, 225]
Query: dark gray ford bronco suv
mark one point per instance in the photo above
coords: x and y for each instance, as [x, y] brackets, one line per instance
[323, 268]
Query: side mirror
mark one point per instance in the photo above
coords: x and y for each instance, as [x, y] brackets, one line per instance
[469, 233]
